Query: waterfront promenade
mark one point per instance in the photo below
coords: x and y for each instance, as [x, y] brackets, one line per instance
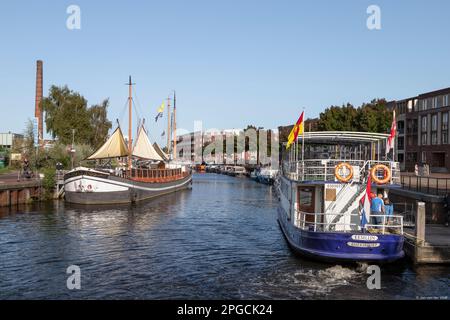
[16, 190]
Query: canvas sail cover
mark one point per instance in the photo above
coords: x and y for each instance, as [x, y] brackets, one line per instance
[113, 148]
[143, 147]
[158, 149]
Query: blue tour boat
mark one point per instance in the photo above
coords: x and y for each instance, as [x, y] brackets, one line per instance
[321, 196]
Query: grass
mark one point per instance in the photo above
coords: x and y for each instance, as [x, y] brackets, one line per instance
[7, 170]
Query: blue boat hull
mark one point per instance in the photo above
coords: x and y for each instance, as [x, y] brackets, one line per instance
[340, 246]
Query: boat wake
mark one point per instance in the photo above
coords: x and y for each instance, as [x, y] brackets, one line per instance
[322, 282]
[303, 284]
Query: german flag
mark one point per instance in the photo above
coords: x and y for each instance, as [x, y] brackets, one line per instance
[298, 129]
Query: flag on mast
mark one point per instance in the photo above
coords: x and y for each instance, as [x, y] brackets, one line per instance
[160, 112]
[365, 204]
[391, 139]
[298, 129]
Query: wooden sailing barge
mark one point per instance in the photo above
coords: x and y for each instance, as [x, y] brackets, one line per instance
[148, 172]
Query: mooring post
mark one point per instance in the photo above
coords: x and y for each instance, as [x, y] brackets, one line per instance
[420, 223]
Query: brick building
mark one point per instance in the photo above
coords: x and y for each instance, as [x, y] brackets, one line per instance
[423, 130]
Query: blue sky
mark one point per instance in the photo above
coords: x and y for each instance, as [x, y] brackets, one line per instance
[232, 63]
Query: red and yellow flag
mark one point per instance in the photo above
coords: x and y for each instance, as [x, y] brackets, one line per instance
[298, 129]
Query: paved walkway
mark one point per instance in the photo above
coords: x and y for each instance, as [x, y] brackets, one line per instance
[11, 180]
[435, 235]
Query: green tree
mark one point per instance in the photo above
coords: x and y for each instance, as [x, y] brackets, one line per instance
[370, 117]
[66, 110]
[100, 123]
[337, 118]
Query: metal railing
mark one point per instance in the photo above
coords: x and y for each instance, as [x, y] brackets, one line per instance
[428, 185]
[344, 191]
[324, 170]
[407, 211]
[154, 175]
[388, 224]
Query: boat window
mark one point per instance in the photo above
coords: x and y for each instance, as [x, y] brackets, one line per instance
[306, 197]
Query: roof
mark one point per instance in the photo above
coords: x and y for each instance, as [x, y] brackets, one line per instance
[343, 136]
[434, 93]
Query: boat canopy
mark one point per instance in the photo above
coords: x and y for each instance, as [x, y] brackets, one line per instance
[162, 154]
[143, 147]
[343, 137]
[114, 147]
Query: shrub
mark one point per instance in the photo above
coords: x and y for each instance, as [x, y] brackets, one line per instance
[48, 182]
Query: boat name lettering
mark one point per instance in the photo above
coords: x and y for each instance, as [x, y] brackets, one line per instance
[363, 245]
[364, 237]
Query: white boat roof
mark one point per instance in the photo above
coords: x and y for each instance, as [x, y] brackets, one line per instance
[343, 136]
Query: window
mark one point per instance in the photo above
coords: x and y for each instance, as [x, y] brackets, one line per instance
[423, 105]
[439, 101]
[424, 120]
[401, 143]
[430, 103]
[401, 127]
[434, 129]
[306, 197]
[424, 138]
[444, 128]
[423, 131]
[446, 100]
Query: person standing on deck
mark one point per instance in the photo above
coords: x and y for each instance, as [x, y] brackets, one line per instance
[377, 209]
[388, 209]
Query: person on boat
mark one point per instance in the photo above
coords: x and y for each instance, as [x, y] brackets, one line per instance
[389, 209]
[377, 209]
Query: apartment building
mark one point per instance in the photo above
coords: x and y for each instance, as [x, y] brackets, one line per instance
[189, 147]
[423, 130]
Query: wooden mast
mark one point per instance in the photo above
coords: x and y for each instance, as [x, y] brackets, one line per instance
[169, 135]
[174, 125]
[130, 102]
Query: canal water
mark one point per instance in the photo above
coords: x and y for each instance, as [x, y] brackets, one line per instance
[219, 240]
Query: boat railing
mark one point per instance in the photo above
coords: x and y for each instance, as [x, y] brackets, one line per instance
[324, 169]
[155, 175]
[389, 223]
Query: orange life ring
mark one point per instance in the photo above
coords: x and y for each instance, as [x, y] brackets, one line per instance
[387, 174]
[339, 167]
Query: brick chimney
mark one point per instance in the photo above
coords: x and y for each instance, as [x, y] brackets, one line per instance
[39, 93]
